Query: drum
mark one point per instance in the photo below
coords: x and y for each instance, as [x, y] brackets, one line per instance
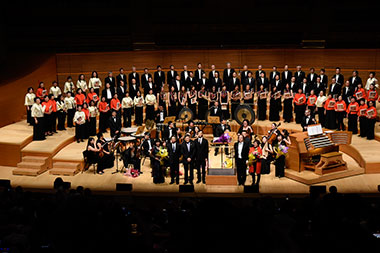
[185, 114]
[244, 112]
[129, 130]
[126, 138]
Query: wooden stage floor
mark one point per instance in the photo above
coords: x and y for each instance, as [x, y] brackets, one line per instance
[72, 151]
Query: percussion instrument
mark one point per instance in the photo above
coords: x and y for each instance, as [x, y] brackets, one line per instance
[126, 138]
[185, 114]
[244, 112]
[129, 130]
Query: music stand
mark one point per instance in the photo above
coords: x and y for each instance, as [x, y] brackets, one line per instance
[213, 119]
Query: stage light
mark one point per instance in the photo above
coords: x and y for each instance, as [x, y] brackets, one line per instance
[321, 189]
[124, 187]
[186, 188]
[251, 189]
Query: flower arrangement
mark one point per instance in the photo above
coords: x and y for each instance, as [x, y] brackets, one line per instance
[227, 163]
[281, 150]
[163, 155]
[224, 138]
[253, 157]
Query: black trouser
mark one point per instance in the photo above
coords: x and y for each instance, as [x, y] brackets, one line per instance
[353, 123]
[280, 166]
[61, 120]
[174, 172]
[371, 129]
[29, 118]
[189, 166]
[321, 116]
[241, 169]
[201, 170]
[127, 114]
[103, 122]
[225, 150]
[339, 120]
[80, 131]
[312, 110]
[138, 115]
[363, 126]
[47, 122]
[70, 116]
[38, 129]
[300, 112]
[92, 126]
[53, 121]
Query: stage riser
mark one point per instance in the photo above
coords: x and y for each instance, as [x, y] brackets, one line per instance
[221, 180]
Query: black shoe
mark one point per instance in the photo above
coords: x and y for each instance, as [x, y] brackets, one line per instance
[78, 141]
[204, 181]
[185, 182]
[171, 182]
[177, 183]
[191, 182]
[215, 154]
[198, 181]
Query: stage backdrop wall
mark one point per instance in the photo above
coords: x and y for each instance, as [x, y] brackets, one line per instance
[363, 60]
[12, 96]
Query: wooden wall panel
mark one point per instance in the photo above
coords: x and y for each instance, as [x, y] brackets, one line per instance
[364, 60]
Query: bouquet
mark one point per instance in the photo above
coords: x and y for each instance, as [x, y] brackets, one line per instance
[163, 155]
[227, 163]
[224, 138]
[253, 157]
[281, 150]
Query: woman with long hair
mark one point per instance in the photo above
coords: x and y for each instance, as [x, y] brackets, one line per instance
[61, 112]
[29, 101]
[139, 105]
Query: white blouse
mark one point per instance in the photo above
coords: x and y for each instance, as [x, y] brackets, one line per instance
[150, 99]
[94, 83]
[139, 101]
[320, 101]
[70, 102]
[29, 99]
[37, 111]
[61, 106]
[55, 90]
[81, 84]
[370, 81]
[93, 111]
[127, 102]
[79, 117]
[68, 87]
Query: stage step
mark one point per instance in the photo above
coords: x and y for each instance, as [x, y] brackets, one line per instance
[31, 166]
[35, 159]
[65, 168]
[63, 171]
[28, 171]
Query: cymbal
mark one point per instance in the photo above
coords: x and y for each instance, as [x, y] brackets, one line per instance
[244, 112]
[185, 114]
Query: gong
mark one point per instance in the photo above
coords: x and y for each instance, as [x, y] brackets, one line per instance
[185, 114]
[244, 112]
[149, 124]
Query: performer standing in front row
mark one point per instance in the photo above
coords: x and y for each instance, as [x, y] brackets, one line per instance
[371, 120]
[37, 113]
[174, 150]
[241, 157]
[188, 152]
[201, 146]
[255, 164]
[353, 111]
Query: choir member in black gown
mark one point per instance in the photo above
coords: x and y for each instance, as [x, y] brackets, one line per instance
[225, 102]
[274, 105]
[139, 102]
[182, 99]
[173, 99]
[192, 100]
[162, 98]
[202, 103]
[213, 96]
[235, 99]
[248, 96]
[262, 103]
[288, 104]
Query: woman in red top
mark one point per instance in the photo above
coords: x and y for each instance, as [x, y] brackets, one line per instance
[87, 124]
[360, 93]
[47, 115]
[41, 91]
[92, 96]
[352, 115]
[115, 104]
[340, 112]
[330, 120]
[362, 112]
[53, 116]
[103, 115]
[299, 105]
[311, 102]
[255, 166]
[79, 97]
[371, 120]
[372, 95]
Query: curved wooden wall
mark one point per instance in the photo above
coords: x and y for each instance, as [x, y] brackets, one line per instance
[364, 60]
[12, 96]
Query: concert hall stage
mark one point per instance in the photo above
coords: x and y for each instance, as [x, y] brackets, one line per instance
[60, 151]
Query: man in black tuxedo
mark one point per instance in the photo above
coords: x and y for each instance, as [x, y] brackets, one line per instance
[273, 73]
[307, 120]
[147, 147]
[259, 71]
[121, 90]
[299, 75]
[227, 73]
[114, 123]
[335, 88]
[188, 159]
[312, 77]
[184, 74]
[217, 82]
[191, 81]
[241, 157]
[145, 77]
[339, 78]
[262, 80]
[286, 75]
[319, 86]
[305, 87]
[172, 73]
[199, 73]
[134, 75]
[355, 79]
[203, 82]
[108, 93]
[347, 92]
[276, 82]
[244, 73]
[174, 150]
[324, 78]
[293, 85]
[250, 81]
[211, 74]
[170, 131]
[149, 86]
[121, 77]
[159, 78]
[111, 80]
[219, 130]
[234, 80]
[201, 157]
[178, 83]
[216, 111]
[133, 88]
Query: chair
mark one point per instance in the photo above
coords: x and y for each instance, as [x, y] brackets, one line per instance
[88, 162]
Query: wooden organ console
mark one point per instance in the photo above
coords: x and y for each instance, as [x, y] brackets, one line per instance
[318, 152]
